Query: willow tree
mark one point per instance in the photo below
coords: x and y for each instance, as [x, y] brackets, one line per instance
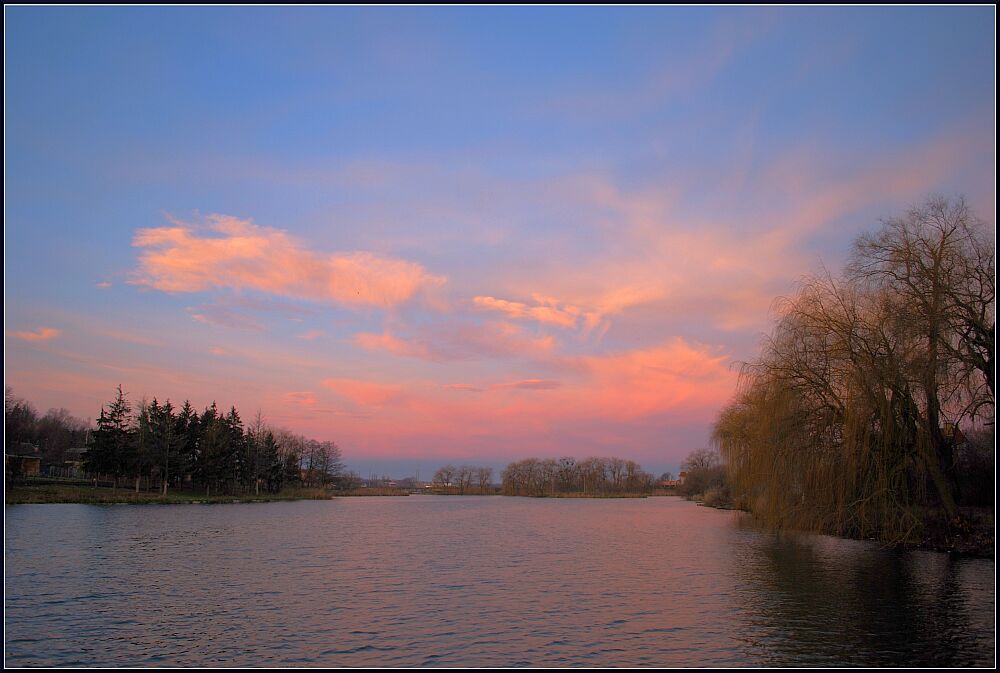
[842, 421]
[939, 261]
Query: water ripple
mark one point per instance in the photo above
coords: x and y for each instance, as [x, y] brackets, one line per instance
[439, 581]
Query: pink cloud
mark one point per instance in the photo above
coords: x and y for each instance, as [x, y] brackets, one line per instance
[312, 334]
[675, 379]
[392, 344]
[301, 398]
[461, 340]
[241, 255]
[40, 334]
[366, 393]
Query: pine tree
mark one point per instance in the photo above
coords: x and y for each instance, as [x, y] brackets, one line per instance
[188, 433]
[110, 449]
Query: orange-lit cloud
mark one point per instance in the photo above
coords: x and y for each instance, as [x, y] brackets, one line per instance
[241, 255]
[545, 310]
[40, 334]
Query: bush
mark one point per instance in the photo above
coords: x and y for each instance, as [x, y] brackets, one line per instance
[717, 497]
[702, 479]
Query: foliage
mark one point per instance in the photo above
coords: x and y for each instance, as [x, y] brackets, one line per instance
[853, 417]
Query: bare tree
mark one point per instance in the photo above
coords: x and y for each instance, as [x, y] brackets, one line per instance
[939, 261]
[445, 476]
[853, 402]
[484, 475]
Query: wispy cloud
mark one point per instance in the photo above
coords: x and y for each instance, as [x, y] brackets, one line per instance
[214, 314]
[528, 384]
[547, 310]
[40, 334]
[462, 387]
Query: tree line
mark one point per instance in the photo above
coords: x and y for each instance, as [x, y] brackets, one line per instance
[54, 433]
[593, 476]
[161, 445]
[464, 479]
[870, 407]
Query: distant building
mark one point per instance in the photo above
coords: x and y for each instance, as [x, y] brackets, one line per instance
[72, 465]
[23, 460]
[681, 477]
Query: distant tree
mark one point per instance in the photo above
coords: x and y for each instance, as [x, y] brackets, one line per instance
[445, 476]
[532, 476]
[20, 419]
[484, 476]
[701, 459]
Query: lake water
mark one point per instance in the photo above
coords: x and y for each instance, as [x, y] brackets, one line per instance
[479, 581]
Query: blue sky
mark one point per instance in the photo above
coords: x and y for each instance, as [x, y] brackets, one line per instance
[567, 222]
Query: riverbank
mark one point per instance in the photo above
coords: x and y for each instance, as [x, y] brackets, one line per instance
[28, 494]
[973, 534]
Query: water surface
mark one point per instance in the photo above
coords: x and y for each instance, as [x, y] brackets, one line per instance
[478, 581]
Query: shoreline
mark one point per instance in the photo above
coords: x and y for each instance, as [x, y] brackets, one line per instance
[78, 494]
[975, 541]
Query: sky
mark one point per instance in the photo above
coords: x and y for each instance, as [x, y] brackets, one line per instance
[466, 235]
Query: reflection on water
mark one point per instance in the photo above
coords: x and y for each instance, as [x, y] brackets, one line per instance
[816, 600]
[448, 581]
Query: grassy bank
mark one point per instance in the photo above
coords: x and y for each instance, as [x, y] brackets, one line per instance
[374, 492]
[24, 494]
[591, 495]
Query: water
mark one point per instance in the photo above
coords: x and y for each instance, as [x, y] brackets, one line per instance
[479, 581]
